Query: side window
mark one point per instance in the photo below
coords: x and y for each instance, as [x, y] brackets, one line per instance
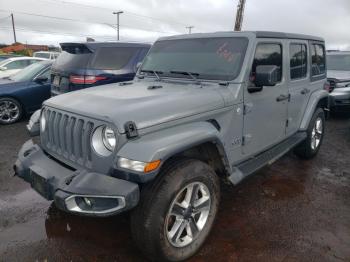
[298, 61]
[268, 54]
[19, 64]
[318, 64]
[33, 61]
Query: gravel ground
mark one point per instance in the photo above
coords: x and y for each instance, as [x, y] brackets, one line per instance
[291, 211]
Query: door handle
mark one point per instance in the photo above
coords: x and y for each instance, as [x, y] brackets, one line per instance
[305, 91]
[283, 97]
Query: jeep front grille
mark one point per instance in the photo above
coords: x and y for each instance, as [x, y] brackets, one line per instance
[68, 136]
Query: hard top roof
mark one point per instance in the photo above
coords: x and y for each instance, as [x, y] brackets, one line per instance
[257, 34]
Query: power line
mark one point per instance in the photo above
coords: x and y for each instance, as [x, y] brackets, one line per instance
[6, 17]
[61, 33]
[108, 9]
[82, 21]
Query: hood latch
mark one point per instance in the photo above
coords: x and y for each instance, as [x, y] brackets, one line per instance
[131, 129]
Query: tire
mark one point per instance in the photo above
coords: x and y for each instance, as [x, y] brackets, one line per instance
[152, 222]
[10, 111]
[315, 132]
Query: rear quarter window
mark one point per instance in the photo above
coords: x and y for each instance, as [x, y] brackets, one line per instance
[113, 58]
[70, 60]
[318, 58]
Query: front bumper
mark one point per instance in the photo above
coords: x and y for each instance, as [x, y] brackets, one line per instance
[76, 191]
[340, 101]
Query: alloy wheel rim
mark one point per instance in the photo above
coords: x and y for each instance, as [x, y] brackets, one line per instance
[9, 111]
[316, 134]
[188, 214]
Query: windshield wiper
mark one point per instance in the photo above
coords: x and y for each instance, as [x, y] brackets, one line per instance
[191, 74]
[156, 73]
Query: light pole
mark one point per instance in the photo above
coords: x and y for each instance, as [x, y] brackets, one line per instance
[118, 13]
[14, 30]
[190, 28]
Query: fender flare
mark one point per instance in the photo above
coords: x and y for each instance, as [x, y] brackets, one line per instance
[311, 107]
[165, 143]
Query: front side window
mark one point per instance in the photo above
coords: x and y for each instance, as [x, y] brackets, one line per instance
[218, 58]
[268, 54]
[298, 61]
[318, 59]
[19, 64]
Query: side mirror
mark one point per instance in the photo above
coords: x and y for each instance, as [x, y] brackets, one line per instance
[266, 75]
[3, 68]
[41, 79]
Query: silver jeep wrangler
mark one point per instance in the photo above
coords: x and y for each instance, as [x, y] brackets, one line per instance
[203, 108]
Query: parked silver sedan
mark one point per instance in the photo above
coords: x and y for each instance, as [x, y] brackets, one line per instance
[338, 74]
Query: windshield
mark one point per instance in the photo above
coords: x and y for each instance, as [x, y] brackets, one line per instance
[206, 58]
[42, 55]
[338, 62]
[29, 72]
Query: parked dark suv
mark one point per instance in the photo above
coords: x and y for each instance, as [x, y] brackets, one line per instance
[83, 65]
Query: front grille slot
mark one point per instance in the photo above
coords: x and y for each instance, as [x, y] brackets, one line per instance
[69, 136]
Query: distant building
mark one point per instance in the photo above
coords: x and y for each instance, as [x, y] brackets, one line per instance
[20, 47]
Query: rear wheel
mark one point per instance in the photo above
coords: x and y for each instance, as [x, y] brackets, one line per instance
[315, 132]
[177, 211]
[10, 111]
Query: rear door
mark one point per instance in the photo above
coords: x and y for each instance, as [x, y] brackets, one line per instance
[116, 64]
[265, 112]
[73, 60]
[299, 82]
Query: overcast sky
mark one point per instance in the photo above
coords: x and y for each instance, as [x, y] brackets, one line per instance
[146, 20]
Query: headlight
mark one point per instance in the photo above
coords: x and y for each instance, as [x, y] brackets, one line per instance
[138, 166]
[42, 122]
[104, 140]
[108, 138]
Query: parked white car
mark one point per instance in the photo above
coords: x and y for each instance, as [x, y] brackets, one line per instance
[15, 64]
[46, 54]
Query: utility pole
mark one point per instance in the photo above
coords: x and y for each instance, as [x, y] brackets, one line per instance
[118, 13]
[239, 15]
[190, 28]
[13, 28]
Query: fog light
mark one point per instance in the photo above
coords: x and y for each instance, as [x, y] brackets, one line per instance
[92, 204]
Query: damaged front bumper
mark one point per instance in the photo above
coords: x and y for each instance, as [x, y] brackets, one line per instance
[76, 191]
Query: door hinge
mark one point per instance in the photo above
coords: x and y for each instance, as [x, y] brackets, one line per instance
[247, 108]
[287, 122]
[246, 139]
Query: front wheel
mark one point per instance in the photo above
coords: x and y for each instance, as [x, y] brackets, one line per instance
[177, 211]
[315, 132]
[10, 111]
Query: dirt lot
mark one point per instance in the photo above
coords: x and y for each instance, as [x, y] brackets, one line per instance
[291, 211]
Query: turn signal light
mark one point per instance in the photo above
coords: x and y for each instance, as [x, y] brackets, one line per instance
[151, 166]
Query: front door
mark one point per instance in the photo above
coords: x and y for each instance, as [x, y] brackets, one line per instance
[266, 110]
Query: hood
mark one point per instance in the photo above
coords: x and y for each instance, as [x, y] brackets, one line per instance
[139, 102]
[340, 75]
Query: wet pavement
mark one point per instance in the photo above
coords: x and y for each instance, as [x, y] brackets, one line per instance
[291, 211]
